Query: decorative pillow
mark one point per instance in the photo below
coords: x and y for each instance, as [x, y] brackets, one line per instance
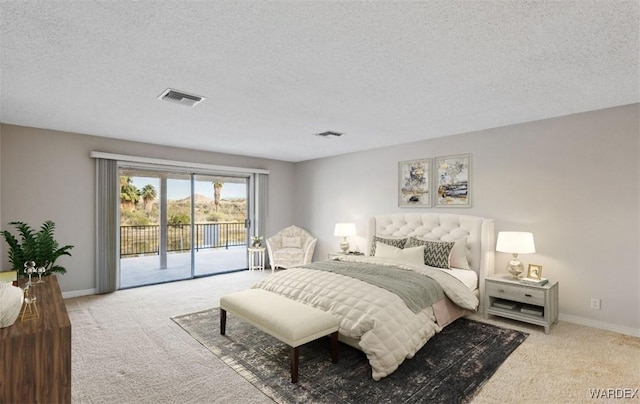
[394, 242]
[458, 258]
[436, 253]
[291, 242]
[410, 256]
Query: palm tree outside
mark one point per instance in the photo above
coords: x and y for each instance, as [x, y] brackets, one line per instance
[129, 193]
[148, 194]
[217, 192]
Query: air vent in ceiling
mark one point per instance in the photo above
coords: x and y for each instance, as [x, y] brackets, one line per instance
[180, 97]
[329, 133]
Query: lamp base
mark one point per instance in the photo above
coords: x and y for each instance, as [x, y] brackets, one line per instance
[515, 267]
[344, 246]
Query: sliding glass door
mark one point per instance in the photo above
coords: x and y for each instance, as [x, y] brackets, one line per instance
[220, 217]
[176, 226]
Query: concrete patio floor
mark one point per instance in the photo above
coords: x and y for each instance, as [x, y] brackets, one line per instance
[144, 270]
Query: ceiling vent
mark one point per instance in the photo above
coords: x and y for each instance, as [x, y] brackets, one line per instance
[180, 97]
[329, 133]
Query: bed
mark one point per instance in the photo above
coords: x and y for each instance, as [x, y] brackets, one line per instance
[386, 305]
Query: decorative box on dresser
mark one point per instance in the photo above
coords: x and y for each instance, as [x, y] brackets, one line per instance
[35, 354]
[508, 297]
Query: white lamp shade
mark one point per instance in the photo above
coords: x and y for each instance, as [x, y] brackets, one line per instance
[345, 230]
[518, 242]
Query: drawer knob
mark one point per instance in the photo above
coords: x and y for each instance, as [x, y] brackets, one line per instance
[527, 295]
[501, 290]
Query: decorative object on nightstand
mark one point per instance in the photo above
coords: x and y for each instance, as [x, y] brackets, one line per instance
[534, 271]
[534, 276]
[515, 242]
[344, 230]
[535, 282]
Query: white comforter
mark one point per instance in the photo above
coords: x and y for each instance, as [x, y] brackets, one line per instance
[388, 331]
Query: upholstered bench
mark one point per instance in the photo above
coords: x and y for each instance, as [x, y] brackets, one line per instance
[289, 321]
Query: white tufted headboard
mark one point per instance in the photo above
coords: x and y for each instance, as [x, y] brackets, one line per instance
[446, 227]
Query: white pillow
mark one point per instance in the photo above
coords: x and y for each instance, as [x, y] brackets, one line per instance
[458, 257]
[291, 242]
[397, 242]
[409, 256]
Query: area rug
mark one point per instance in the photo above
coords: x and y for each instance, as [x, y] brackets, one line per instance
[450, 368]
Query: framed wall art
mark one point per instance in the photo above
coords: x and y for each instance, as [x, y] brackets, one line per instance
[414, 182]
[453, 182]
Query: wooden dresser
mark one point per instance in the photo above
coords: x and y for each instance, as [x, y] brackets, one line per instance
[35, 355]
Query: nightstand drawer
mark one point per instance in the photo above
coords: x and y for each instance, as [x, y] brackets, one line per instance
[516, 293]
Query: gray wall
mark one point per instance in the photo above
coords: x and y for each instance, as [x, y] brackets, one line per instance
[49, 175]
[572, 181]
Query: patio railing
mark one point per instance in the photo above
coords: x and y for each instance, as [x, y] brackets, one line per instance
[140, 240]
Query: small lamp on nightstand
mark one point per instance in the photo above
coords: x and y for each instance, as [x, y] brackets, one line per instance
[345, 230]
[515, 242]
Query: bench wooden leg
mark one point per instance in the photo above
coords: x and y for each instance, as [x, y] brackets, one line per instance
[223, 321]
[334, 347]
[295, 354]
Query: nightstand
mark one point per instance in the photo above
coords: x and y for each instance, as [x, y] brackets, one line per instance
[507, 297]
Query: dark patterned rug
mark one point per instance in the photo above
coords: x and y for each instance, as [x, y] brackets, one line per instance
[450, 368]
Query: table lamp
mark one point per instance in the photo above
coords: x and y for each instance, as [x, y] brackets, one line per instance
[515, 242]
[345, 230]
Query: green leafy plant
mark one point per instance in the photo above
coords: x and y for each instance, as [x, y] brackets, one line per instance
[38, 246]
[256, 241]
[179, 218]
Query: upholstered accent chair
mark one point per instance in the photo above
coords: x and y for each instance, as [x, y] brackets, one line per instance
[290, 247]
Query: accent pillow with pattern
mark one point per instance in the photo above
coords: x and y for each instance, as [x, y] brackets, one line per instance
[393, 242]
[458, 257]
[436, 253]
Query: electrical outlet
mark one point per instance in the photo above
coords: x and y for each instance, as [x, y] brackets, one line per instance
[595, 303]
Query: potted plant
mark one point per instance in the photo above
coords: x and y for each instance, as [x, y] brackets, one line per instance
[256, 241]
[38, 246]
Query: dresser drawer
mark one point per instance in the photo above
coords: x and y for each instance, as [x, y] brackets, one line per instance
[520, 294]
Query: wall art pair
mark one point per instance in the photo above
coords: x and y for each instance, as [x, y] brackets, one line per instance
[451, 186]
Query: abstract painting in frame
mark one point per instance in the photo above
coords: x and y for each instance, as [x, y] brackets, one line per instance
[453, 181]
[414, 182]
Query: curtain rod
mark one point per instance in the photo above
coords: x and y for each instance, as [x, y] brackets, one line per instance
[174, 163]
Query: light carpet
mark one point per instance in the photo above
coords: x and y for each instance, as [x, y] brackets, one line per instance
[126, 349]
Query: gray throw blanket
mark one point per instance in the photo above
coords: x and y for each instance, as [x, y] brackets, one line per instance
[416, 290]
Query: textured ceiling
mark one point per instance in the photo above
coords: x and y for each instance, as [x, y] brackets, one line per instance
[274, 73]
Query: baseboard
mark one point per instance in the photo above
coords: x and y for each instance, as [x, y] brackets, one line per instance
[78, 293]
[634, 332]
